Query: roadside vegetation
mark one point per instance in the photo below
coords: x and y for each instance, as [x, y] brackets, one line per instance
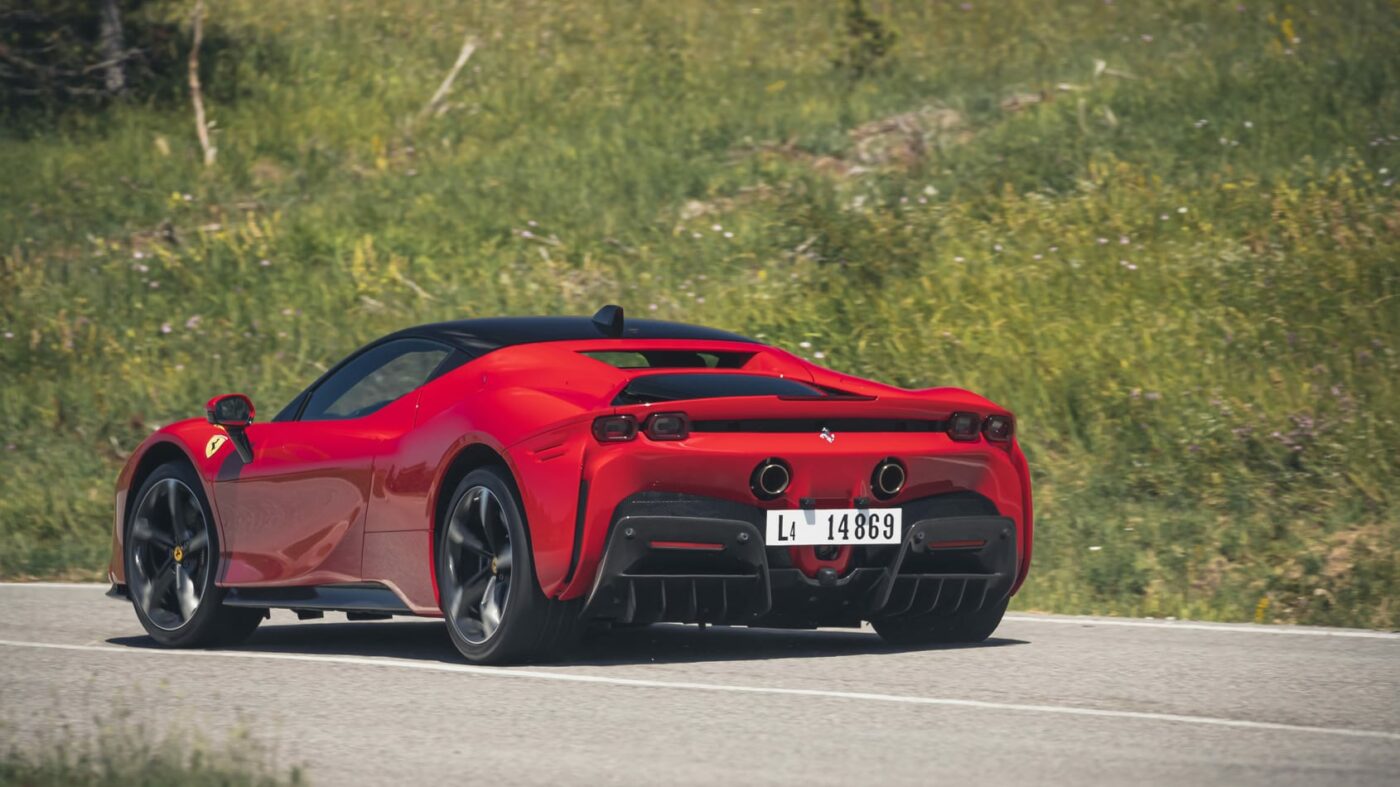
[1166, 234]
[120, 752]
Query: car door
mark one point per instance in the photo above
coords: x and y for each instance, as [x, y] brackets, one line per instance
[296, 513]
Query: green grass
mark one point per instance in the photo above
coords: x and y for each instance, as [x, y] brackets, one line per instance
[1179, 267]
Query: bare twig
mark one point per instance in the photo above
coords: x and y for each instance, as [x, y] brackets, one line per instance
[469, 45]
[196, 95]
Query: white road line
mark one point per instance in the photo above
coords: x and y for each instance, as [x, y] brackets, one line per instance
[58, 585]
[566, 677]
[1223, 628]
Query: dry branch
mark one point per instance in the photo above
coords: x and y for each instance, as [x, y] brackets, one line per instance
[196, 95]
[469, 45]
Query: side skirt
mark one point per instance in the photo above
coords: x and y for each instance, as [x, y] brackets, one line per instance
[365, 600]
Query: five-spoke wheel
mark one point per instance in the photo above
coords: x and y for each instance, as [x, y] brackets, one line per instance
[479, 561]
[169, 554]
[489, 594]
[171, 551]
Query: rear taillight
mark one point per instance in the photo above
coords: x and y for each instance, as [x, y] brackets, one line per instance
[998, 428]
[964, 427]
[668, 426]
[615, 428]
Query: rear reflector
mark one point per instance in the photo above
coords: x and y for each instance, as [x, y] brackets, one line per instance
[969, 543]
[703, 546]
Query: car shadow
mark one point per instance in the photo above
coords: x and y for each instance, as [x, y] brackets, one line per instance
[658, 644]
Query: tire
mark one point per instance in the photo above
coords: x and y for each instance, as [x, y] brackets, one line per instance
[170, 551]
[967, 627]
[488, 590]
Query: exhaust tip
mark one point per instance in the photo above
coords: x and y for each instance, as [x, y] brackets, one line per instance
[888, 478]
[770, 479]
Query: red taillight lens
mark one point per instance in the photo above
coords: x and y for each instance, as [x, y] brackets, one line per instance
[615, 428]
[668, 426]
[964, 427]
[998, 428]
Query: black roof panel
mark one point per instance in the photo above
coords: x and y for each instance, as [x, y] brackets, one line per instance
[492, 333]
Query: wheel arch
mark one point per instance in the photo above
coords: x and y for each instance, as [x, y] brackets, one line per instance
[473, 456]
[160, 453]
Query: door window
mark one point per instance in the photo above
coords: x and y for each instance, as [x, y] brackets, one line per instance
[373, 379]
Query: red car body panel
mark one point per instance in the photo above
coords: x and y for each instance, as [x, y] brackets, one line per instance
[356, 500]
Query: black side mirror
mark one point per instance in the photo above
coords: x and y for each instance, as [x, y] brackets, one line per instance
[234, 412]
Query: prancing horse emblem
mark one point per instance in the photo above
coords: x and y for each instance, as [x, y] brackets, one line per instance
[215, 443]
[827, 435]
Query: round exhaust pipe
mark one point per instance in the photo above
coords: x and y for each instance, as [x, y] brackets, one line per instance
[770, 479]
[888, 478]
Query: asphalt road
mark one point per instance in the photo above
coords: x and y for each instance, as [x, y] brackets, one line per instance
[1049, 699]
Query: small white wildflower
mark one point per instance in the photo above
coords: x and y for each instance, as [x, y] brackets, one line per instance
[9, 334]
[1249, 124]
[930, 191]
[1181, 210]
[728, 234]
[716, 228]
[192, 322]
[1054, 249]
[996, 247]
[287, 312]
[1035, 256]
[923, 200]
[265, 263]
[155, 285]
[701, 299]
[1102, 241]
[138, 255]
[1165, 217]
[1123, 240]
[959, 259]
[139, 268]
[1146, 38]
[696, 235]
[165, 327]
[526, 234]
[1095, 549]
[1383, 171]
[805, 345]
[651, 307]
[186, 197]
[819, 355]
[533, 223]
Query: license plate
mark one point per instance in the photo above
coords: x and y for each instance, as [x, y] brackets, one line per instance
[817, 526]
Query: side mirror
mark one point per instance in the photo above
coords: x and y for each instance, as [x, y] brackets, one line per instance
[234, 412]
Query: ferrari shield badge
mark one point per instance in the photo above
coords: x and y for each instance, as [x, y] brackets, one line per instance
[215, 443]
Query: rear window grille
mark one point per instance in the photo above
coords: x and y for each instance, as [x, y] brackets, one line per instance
[713, 385]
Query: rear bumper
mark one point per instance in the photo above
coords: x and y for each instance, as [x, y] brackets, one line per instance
[660, 567]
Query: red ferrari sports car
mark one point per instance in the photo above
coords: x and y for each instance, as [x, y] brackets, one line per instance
[525, 477]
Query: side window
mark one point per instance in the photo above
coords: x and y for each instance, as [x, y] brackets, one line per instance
[374, 379]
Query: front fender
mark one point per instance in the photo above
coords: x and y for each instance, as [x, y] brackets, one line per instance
[196, 441]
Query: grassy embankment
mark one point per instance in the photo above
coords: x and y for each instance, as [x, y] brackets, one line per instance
[1166, 234]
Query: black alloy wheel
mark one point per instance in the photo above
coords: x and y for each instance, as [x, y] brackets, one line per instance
[171, 554]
